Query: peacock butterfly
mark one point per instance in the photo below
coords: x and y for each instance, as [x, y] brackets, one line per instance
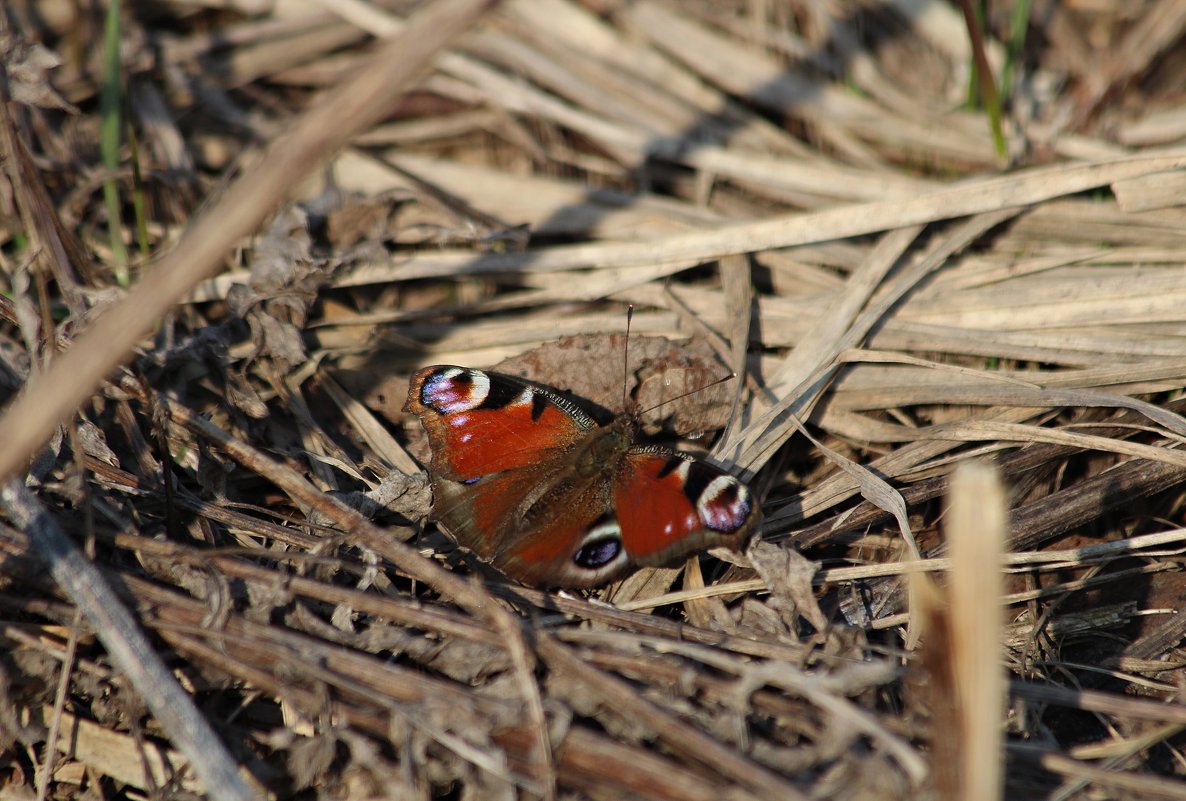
[527, 480]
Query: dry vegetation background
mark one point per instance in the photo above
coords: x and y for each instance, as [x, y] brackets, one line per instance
[227, 242]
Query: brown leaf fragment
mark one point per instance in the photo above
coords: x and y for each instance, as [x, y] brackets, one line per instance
[94, 443]
[281, 340]
[241, 394]
[359, 220]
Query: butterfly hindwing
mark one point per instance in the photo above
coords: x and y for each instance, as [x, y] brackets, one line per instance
[579, 546]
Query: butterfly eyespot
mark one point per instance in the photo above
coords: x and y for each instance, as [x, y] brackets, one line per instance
[602, 546]
[598, 554]
[469, 482]
[724, 505]
[454, 389]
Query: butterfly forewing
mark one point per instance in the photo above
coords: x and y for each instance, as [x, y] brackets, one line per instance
[481, 423]
[670, 505]
[496, 441]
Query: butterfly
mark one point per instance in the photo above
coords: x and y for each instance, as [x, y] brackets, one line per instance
[527, 480]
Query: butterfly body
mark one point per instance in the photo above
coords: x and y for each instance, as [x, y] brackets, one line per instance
[528, 481]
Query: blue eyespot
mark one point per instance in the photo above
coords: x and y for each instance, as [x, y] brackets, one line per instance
[598, 553]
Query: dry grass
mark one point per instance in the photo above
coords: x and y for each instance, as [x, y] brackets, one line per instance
[216, 575]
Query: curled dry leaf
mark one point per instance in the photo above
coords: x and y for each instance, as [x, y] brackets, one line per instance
[788, 574]
[285, 278]
[590, 367]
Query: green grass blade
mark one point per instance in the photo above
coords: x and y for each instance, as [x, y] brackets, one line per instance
[109, 137]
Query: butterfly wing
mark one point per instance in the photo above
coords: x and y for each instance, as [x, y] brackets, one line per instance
[495, 442]
[670, 504]
[482, 423]
[574, 545]
[655, 508]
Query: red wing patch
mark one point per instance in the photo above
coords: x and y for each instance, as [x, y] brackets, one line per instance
[669, 505]
[481, 423]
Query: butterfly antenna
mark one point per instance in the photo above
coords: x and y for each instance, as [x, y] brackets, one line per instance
[721, 380]
[626, 354]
